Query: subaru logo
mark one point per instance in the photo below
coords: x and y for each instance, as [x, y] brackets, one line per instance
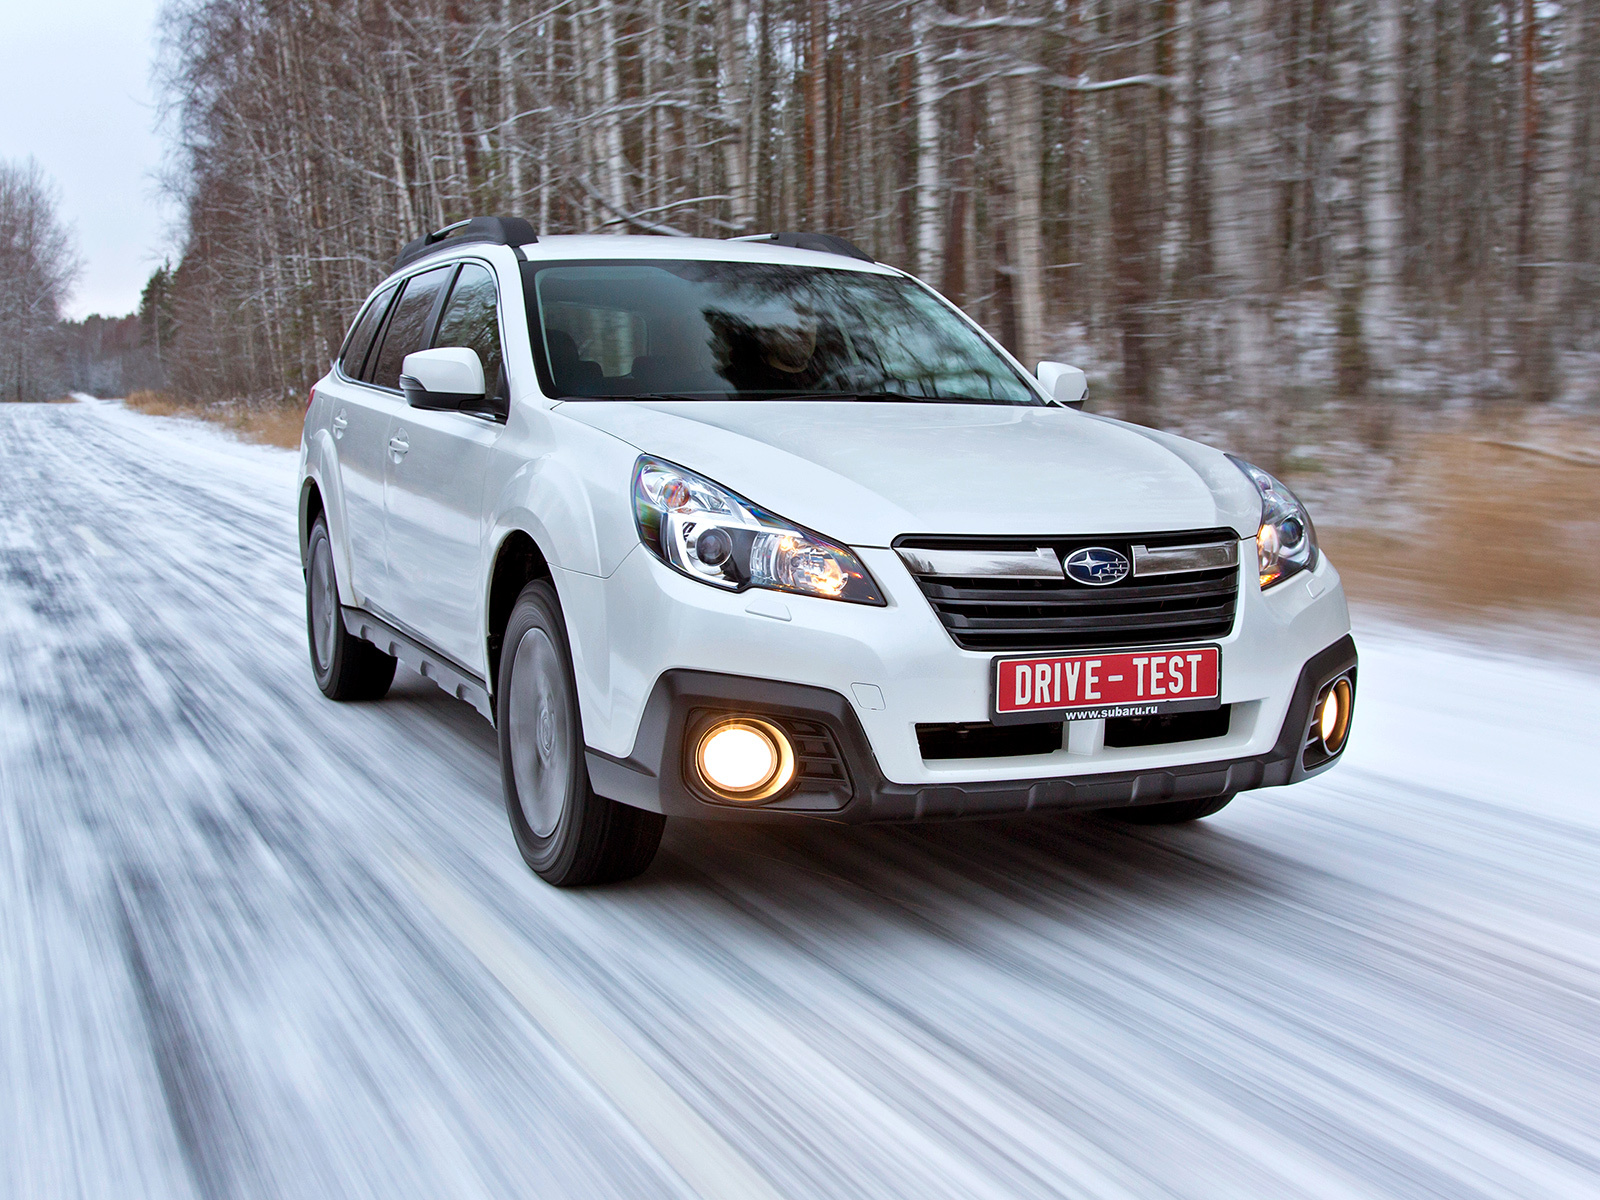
[1097, 566]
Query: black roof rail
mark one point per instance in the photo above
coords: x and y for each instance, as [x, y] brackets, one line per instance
[826, 243]
[500, 231]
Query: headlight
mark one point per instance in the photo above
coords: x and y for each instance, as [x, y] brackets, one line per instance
[1287, 541]
[710, 534]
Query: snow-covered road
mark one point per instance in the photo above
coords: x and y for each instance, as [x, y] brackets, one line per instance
[256, 944]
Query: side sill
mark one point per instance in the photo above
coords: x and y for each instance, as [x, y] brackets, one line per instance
[430, 664]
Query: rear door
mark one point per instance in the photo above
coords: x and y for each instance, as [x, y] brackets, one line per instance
[435, 490]
[359, 422]
[370, 433]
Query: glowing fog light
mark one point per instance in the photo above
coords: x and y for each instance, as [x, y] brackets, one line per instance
[1333, 718]
[745, 759]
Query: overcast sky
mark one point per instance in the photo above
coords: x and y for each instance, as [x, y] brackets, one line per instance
[75, 94]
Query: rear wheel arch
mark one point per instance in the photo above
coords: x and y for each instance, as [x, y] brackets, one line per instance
[517, 563]
[311, 507]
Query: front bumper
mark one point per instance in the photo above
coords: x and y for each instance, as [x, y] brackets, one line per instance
[897, 668]
[653, 778]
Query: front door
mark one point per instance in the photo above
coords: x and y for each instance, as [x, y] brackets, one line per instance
[381, 405]
[437, 468]
[359, 419]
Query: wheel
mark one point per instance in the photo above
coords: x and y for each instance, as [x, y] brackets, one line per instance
[346, 667]
[566, 833]
[1174, 812]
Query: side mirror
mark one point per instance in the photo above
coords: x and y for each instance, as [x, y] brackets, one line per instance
[1066, 386]
[448, 378]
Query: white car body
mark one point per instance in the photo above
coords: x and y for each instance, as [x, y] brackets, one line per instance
[420, 506]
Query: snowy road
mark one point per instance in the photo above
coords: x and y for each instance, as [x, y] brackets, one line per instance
[257, 944]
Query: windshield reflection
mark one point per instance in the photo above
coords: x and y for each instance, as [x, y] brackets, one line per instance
[755, 331]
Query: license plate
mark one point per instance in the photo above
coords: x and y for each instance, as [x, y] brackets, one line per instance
[1108, 683]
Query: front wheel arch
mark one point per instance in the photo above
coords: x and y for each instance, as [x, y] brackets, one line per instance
[517, 562]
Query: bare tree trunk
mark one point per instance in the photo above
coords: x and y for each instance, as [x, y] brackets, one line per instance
[927, 100]
[1133, 220]
[1583, 176]
[1024, 117]
[510, 150]
[611, 99]
[956, 282]
[1535, 352]
[816, 161]
[731, 20]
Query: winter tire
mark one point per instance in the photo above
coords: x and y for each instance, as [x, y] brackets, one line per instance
[346, 667]
[567, 834]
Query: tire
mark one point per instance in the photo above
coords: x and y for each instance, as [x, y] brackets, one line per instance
[1174, 812]
[346, 667]
[568, 835]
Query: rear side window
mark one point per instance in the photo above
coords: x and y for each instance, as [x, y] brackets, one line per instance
[470, 319]
[361, 334]
[407, 330]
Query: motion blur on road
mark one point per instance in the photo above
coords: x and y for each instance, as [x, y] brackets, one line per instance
[258, 944]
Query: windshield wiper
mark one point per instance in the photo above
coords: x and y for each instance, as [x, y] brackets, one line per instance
[894, 398]
[770, 395]
[695, 396]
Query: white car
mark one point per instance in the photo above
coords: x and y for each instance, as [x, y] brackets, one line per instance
[764, 530]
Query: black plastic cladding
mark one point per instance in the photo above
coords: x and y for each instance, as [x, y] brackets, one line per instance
[499, 231]
[653, 777]
[1315, 754]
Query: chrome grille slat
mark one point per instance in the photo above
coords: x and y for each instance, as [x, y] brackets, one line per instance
[944, 593]
[1094, 621]
[1039, 563]
[1018, 615]
[1176, 560]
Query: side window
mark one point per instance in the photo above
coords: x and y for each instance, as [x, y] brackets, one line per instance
[408, 326]
[361, 335]
[470, 320]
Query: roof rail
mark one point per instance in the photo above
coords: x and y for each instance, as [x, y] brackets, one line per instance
[500, 231]
[826, 243]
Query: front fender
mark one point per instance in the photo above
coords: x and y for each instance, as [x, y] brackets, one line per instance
[320, 467]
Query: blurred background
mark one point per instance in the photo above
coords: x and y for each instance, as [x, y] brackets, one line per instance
[1356, 240]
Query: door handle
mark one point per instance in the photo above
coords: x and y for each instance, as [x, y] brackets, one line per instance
[399, 444]
[340, 423]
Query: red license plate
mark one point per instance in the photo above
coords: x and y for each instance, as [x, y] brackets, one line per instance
[1108, 683]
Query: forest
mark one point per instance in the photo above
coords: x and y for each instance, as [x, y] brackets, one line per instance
[1257, 202]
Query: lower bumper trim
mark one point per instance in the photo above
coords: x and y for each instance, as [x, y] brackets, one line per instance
[652, 777]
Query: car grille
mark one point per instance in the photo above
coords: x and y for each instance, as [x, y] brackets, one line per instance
[1010, 615]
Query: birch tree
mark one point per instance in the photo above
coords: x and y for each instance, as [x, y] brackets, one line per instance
[1193, 197]
[38, 263]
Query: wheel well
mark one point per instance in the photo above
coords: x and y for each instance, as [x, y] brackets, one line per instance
[311, 508]
[518, 564]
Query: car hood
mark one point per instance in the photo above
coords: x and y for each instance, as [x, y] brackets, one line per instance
[866, 473]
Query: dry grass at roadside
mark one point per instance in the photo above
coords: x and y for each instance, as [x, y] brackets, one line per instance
[1500, 518]
[276, 425]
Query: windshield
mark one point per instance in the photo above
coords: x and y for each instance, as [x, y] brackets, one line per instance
[756, 331]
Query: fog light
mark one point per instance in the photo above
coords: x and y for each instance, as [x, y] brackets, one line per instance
[745, 759]
[1333, 719]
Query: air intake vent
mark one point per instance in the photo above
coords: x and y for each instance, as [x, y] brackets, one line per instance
[819, 767]
[1007, 609]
